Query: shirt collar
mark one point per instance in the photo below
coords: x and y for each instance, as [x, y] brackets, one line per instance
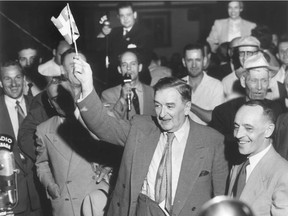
[184, 129]
[139, 87]
[257, 157]
[12, 100]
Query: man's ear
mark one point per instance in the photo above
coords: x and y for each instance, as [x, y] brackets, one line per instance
[187, 108]
[205, 60]
[242, 81]
[54, 52]
[183, 62]
[119, 70]
[140, 67]
[135, 15]
[269, 130]
[277, 55]
[1, 85]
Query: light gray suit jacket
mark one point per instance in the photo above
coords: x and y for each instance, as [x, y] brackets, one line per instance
[111, 97]
[266, 190]
[203, 172]
[62, 168]
[219, 32]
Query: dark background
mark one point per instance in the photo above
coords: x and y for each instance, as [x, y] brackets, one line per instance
[175, 23]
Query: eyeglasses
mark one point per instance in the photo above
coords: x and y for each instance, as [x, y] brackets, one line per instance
[247, 53]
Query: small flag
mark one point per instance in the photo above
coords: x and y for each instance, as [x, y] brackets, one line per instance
[65, 26]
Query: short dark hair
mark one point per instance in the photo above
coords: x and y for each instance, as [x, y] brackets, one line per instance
[196, 46]
[172, 82]
[125, 4]
[267, 109]
[283, 38]
[11, 63]
[264, 34]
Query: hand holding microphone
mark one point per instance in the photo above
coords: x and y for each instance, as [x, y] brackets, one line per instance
[126, 89]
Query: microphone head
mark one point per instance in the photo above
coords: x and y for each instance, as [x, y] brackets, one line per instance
[6, 142]
[127, 78]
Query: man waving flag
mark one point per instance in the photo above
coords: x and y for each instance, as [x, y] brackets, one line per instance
[66, 25]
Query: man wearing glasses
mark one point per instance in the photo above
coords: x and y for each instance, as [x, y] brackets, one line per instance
[244, 47]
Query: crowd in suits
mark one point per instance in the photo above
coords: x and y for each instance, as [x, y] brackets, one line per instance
[85, 151]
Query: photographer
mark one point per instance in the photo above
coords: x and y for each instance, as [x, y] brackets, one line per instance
[130, 34]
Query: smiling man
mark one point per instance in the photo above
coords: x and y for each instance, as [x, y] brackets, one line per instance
[13, 109]
[262, 180]
[255, 79]
[170, 141]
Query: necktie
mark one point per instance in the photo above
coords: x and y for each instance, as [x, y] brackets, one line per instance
[20, 112]
[30, 89]
[125, 31]
[163, 183]
[135, 101]
[240, 180]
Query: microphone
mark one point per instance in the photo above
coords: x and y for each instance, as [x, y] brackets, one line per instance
[8, 175]
[127, 79]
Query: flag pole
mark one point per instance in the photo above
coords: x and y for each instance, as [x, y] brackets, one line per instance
[71, 29]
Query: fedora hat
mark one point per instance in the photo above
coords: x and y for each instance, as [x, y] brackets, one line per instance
[254, 62]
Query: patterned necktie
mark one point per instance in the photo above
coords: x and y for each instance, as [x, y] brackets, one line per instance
[163, 183]
[135, 101]
[20, 112]
[240, 180]
[30, 89]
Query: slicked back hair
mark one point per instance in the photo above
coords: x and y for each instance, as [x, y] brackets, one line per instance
[172, 82]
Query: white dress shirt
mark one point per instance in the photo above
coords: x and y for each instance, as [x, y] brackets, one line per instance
[11, 106]
[178, 148]
[254, 160]
[207, 95]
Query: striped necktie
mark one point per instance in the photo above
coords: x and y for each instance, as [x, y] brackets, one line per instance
[163, 183]
[20, 112]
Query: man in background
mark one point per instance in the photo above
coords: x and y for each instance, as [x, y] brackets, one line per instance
[129, 35]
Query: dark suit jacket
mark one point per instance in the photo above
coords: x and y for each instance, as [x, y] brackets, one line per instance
[266, 190]
[281, 135]
[223, 121]
[117, 44]
[204, 153]
[25, 179]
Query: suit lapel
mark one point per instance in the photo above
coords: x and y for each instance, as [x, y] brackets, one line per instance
[257, 179]
[191, 167]
[56, 141]
[7, 128]
[142, 157]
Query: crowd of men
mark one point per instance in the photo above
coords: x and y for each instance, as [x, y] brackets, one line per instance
[153, 148]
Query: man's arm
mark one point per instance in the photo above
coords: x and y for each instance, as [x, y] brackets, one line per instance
[94, 113]
[204, 115]
[220, 169]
